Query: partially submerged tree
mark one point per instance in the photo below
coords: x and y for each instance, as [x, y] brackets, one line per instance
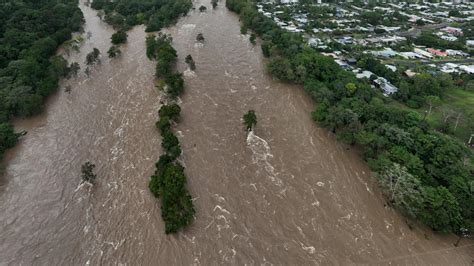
[92, 57]
[119, 37]
[190, 61]
[87, 172]
[74, 69]
[250, 120]
[214, 3]
[202, 8]
[200, 37]
[253, 38]
[114, 51]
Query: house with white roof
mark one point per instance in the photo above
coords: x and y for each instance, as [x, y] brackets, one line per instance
[386, 86]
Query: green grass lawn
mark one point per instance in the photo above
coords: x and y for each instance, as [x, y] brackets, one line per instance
[454, 102]
[461, 99]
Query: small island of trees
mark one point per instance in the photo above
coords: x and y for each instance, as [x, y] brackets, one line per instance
[169, 181]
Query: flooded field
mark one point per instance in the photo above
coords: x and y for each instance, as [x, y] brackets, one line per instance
[288, 193]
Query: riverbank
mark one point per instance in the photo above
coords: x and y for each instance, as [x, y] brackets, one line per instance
[291, 194]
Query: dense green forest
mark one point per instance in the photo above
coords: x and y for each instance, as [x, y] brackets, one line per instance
[425, 174]
[155, 14]
[169, 181]
[30, 33]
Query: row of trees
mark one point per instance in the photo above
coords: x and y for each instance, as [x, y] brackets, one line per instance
[30, 33]
[399, 145]
[124, 14]
[169, 181]
[155, 14]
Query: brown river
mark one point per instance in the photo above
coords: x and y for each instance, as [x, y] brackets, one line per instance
[288, 194]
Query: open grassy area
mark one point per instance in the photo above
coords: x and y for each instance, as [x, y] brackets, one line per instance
[461, 99]
[456, 103]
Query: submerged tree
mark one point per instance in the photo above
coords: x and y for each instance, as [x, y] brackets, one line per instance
[200, 37]
[250, 120]
[253, 38]
[114, 51]
[190, 61]
[74, 69]
[202, 8]
[92, 57]
[87, 172]
[214, 3]
[119, 37]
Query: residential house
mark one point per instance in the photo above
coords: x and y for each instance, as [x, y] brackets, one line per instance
[436, 52]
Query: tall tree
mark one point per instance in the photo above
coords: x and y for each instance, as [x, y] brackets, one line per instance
[250, 120]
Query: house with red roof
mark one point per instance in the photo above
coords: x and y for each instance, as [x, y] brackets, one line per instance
[436, 52]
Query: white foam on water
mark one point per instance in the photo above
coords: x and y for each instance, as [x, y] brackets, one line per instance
[261, 156]
[309, 249]
[188, 73]
[221, 209]
[219, 197]
[188, 26]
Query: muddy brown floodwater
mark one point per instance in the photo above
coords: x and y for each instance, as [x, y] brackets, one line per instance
[288, 194]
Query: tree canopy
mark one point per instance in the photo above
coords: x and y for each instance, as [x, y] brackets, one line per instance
[155, 14]
[169, 180]
[250, 120]
[30, 33]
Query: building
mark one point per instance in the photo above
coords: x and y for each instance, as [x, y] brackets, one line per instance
[391, 67]
[286, 2]
[342, 64]
[385, 86]
[364, 74]
[410, 73]
[411, 55]
[452, 30]
[422, 52]
[449, 38]
[467, 69]
[451, 52]
[436, 52]
[387, 52]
